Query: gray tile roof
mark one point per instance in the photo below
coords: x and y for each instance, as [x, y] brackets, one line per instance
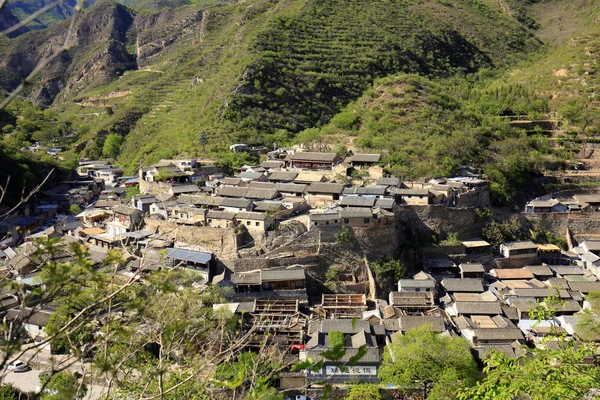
[121, 209]
[585, 287]
[271, 164]
[283, 176]
[498, 334]
[262, 194]
[567, 270]
[356, 212]
[234, 202]
[389, 182]
[324, 217]
[346, 326]
[232, 191]
[357, 201]
[215, 214]
[478, 308]
[312, 156]
[462, 285]
[291, 187]
[326, 188]
[540, 270]
[364, 158]
[411, 192]
[286, 274]
[232, 180]
[412, 283]
[261, 185]
[471, 267]
[525, 244]
[386, 204]
[249, 215]
[435, 323]
[372, 190]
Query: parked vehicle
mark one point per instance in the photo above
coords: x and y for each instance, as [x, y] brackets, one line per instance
[18, 366]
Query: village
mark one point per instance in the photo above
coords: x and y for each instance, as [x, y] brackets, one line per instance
[291, 243]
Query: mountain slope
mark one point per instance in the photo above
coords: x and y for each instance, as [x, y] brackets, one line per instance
[254, 71]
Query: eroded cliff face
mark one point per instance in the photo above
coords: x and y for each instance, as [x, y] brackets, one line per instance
[107, 40]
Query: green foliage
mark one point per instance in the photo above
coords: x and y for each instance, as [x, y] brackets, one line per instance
[332, 275]
[451, 240]
[364, 392]
[440, 365]
[131, 192]
[336, 339]
[386, 267]
[74, 209]
[549, 374]
[62, 386]
[112, 145]
[343, 236]
[497, 233]
[248, 368]
[542, 235]
[9, 392]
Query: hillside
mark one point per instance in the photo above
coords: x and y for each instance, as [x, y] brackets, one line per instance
[258, 71]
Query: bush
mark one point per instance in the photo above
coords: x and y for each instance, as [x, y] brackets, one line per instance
[343, 236]
[364, 392]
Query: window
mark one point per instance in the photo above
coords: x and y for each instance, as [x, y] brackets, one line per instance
[248, 223]
[367, 220]
[346, 221]
[326, 222]
[257, 223]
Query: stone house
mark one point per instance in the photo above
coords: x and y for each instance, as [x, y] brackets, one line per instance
[255, 221]
[412, 197]
[221, 219]
[322, 194]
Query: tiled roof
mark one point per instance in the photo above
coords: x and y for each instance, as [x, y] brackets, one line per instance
[462, 285]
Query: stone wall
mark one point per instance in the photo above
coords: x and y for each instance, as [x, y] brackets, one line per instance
[476, 198]
[581, 225]
[436, 221]
[154, 188]
[220, 241]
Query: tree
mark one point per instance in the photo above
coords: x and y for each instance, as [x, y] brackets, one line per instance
[203, 140]
[112, 145]
[439, 365]
[62, 386]
[561, 370]
[364, 392]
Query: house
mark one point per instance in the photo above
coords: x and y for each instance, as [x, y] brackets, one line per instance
[325, 219]
[291, 189]
[255, 221]
[232, 191]
[591, 246]
[221, 219]
[361, 160]
[342, 306]
[512, 273]
[125, 219]
[389, 182]
[163, 172]
[312, 161]
[177, 190]
[540, 272]
[469, 308]
[282, 176]
[272, 164]
[284, 279]
[519, 250]
[412, 285]
[356, 334]
[365, 218]
[411, 302]
[375, 191]
[476, 246]
[471, 270]
[412, 197]
[262, 194]
[356, 201]
[324, 194]
[549, 254]
[199, 261]
[545, 206]
[33, 320]
[433, 323]
[143, 202]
